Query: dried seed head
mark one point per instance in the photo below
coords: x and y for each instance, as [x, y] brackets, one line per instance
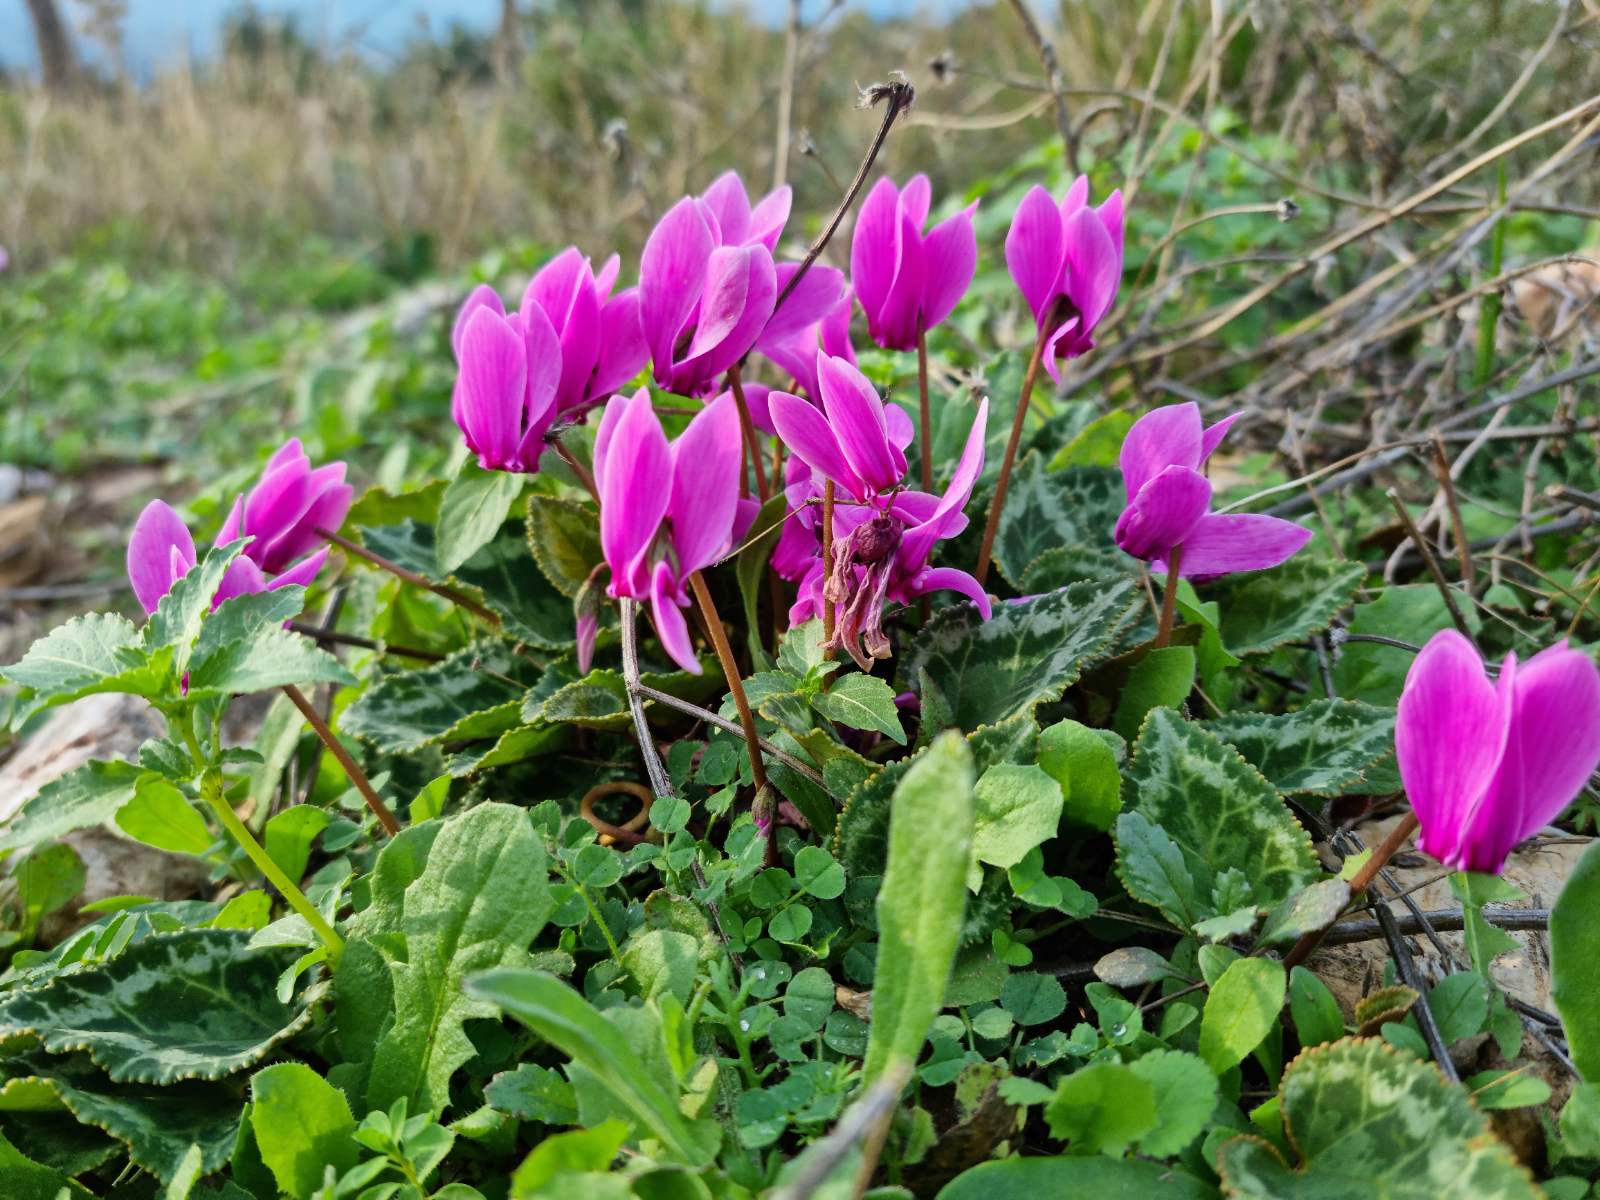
[1288, 210]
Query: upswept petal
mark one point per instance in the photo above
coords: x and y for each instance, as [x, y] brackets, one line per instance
[1164, 513]
[564, 290]
[762, 292]
[493, 381]
[482, 296]
[609, 416]
[272, 507]
[730, 203]
[834, 332]
[1212, 437]
[856, 414]
[1077, 196]
[1093, 266]
[705, 484]
[672, 272]
[302, 573]
[556, 286]
[1034, 252]
[1163, 437]
[950, 259]
[330, 501]
[1068, 341]
[810, 438]
[242, 578]
[233, 524]
[900, 428]
[1552, 746]
[671, 628]
[818, 293]
[622, 348]
[794, 550]
[1110, 211]
[894, 325]
[722, 303]
[915, 199]
[952, 579]
[545, 368]
[916, 544]
[290, 451]
[1223, 543]
[875, 247]
[769, 217]
[1450, 734]
[634, 495]
[606, 278]
[158, 546]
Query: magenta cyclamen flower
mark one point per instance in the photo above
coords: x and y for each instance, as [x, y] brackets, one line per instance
[708, 285]
[796, 352]
[884, 540]
[1169, 502]
[279, 515]
[568, 348]
[1487, 765]
[909, 281]
[666, 509]
[1070, 253]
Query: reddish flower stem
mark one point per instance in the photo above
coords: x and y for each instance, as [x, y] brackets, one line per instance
[925, 430]
[1169, 598]
[751, 439]
[336, 748]
[992, 526]
[578, 469]
[1359, 883]
[730, 671]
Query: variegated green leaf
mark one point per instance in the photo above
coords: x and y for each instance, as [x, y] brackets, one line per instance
[408, 710]
[193, 1005]
[1367, 1121]
[1026, 653]
[1324, 749]
[1219, 811]
[157, 1123]
[1264, 609]
[564, 537]
[1044, 508]
[97, 652]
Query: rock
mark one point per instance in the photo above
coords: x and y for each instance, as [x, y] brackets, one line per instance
[106, 726]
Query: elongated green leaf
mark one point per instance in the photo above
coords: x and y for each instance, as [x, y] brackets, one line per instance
[1240, 1010]
[1325, 748]
[1026, 653]
[1575, 965]
[1220, 812]
[301, 1123]
[1315, 907]
[474, 507]
[861, 702]
[921, 902]
[1367, 1121]
[85, 796]
[1264, 609]
[157, 1124]
[478, 904]
[567, 1021]
[192, 1005]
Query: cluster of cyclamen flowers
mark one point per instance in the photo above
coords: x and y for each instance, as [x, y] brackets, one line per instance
[1485, 765]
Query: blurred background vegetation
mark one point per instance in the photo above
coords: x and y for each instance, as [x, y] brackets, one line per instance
[210, 253]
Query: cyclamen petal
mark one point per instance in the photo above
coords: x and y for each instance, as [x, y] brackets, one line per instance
[705, 485]
[855, 413]
[492, 383]
[907, 281]
[671, 628]
[951, 260]
[160, 551]
[1164, 513]
[1223, 543]
[808, 435]
[1034, 253]
[951, 579]
[634, 494]
[1164, 437]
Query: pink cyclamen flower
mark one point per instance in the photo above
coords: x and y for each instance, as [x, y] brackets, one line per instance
[1070, 253]
[708, 286]
[884, 540]
[1169, 502]
[1487, 765]
[909, 281]
[279, 516]
[666, 509]
[568, 348]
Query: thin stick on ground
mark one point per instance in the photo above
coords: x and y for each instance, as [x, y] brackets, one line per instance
[408, 575]
[655, 770]
[357, 776]
[730, 671]
[1458, 530]
[1051, 320]
[1434, 569]
[752, 440]
[1359, 883]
